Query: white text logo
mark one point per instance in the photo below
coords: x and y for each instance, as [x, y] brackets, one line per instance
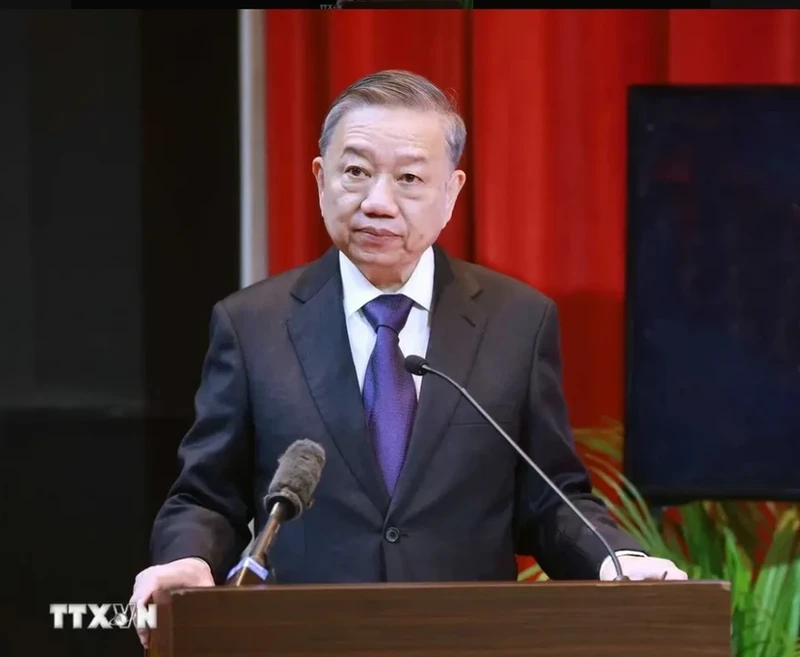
[103, 616]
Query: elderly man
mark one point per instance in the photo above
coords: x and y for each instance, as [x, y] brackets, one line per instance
[417, 486]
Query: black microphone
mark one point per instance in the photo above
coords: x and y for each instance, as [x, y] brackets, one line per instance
[419, 366]
[289, 494]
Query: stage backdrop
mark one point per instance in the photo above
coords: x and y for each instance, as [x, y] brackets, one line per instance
[544, 96]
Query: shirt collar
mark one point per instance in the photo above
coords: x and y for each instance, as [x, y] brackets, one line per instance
[358, 291]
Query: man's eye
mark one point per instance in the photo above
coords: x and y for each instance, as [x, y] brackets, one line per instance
[355, 171]
[409, 178]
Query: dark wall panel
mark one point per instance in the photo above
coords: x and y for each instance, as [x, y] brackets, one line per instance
[118, 232]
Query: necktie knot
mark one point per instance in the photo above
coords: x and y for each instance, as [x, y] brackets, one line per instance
[390, 310]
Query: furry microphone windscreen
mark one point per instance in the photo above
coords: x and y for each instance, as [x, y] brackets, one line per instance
[299, 471]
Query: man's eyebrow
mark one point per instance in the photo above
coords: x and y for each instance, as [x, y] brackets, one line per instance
[355, 150]
[412, 158]
[406, 158]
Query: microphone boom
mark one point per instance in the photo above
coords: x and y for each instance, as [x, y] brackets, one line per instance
[419, 366]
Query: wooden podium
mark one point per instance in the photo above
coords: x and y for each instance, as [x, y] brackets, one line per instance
[574, 619]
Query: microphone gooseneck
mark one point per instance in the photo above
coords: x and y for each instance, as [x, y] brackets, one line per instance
[419, 366]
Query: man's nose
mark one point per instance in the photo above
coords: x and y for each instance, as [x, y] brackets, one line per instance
[380, 198]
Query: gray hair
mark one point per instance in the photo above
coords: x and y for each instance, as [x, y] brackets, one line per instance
[396, 88]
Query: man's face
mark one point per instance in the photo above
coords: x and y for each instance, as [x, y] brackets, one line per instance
[387, 189]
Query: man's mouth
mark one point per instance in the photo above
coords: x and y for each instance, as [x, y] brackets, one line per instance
[377, 232]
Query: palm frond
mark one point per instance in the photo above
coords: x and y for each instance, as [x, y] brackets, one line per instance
[713, 540]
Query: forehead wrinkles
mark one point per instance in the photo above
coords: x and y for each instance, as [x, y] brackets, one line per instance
[385, 151]
[390, 139]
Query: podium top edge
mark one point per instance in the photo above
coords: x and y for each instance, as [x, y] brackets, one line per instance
[409, 586]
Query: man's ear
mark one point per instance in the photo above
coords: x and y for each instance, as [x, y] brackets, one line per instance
[318, 169]
[454, 187]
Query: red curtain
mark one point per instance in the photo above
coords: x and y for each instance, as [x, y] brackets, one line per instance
[544, 96]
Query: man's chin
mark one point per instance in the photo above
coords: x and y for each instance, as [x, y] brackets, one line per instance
[377, 255]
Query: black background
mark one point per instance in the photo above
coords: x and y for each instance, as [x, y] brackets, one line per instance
[119, 229]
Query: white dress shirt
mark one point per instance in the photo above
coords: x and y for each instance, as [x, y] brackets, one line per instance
[358, 291]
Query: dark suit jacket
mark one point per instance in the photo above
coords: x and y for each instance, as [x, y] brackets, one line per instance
[279, 368]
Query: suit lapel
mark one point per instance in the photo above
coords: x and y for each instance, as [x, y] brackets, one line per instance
[456, 331]
[319, 334]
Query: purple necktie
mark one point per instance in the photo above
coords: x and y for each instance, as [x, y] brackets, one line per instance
[390, 397]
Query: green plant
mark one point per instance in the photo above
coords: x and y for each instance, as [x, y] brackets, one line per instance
[712, 540]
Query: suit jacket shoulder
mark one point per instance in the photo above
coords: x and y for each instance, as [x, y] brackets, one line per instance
[501, 285]
[272, 298]
[503, 297]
